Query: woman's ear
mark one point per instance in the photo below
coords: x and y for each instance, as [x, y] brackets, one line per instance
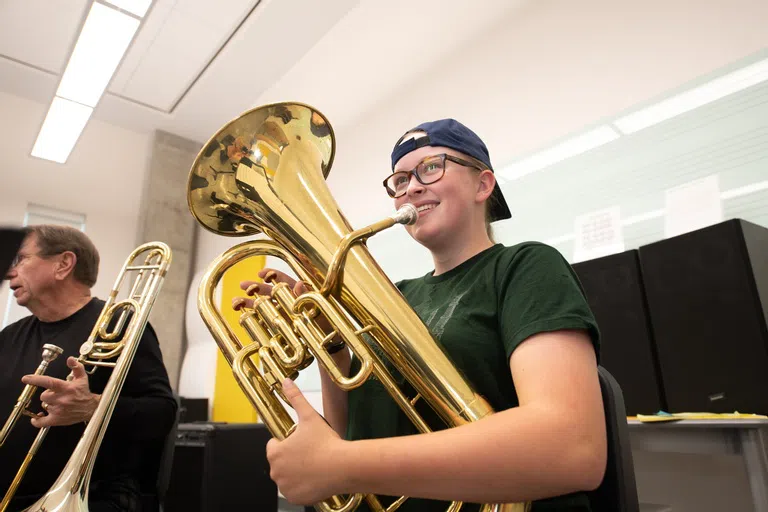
[486, 183]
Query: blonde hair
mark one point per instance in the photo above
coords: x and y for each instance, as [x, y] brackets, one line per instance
[491, 202]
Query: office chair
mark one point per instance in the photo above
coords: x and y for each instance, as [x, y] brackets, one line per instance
[618, 491]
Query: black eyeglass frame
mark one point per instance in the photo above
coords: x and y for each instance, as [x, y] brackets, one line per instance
[415, 172]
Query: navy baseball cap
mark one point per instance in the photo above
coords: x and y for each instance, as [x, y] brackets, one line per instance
[452, 134]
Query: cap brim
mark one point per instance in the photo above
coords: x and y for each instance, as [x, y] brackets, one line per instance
[500, 210]
[10, 243]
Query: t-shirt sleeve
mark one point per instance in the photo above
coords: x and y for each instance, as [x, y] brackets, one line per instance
[539, 292]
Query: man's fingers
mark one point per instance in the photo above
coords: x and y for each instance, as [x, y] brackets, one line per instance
[78, 370]
[44, 381]
[48, 396]
[42, 421]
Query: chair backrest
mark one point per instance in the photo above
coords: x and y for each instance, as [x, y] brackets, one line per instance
[166, 459]
[618, 491]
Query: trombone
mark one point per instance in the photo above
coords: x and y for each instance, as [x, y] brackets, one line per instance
[50, 353]
[70, 491]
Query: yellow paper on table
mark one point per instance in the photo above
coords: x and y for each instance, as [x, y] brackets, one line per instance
[665, 416]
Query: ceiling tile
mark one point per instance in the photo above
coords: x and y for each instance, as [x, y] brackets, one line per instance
[149, 30]
[174, 47]
[42, 33]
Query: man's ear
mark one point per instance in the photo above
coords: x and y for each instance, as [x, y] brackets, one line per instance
[66, 265]
[486, 183]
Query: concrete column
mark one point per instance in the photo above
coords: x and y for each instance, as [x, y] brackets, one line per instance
[165, 217]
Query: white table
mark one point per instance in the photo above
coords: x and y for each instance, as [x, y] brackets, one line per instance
[747, 438]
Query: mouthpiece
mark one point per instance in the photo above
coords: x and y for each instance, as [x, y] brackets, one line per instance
[51, 352]
[407, 214]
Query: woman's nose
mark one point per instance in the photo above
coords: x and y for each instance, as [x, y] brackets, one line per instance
[414, 186]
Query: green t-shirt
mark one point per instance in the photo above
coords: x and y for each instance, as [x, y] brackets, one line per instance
[480, 312]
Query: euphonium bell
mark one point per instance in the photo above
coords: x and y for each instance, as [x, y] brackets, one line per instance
[264, 172]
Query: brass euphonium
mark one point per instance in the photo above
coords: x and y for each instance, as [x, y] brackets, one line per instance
[264, 172]
[102, 348]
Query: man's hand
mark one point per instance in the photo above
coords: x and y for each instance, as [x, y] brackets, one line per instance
[66, 401]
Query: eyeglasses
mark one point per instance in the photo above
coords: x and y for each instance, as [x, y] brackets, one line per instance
[20, 258]
[428, 171]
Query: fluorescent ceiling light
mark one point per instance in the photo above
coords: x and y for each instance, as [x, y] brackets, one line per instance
[61, 129]
[743, 191]
[694, 98]
[636, 219]
[567, 149]
[655, 214]
[99, 49]
[137, 7]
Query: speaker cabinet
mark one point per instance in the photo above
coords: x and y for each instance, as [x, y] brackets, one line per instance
[221, 467]
[708, 298]
[193, 409]
[615, 293]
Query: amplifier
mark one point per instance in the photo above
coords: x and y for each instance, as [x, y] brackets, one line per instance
[708, 299]
[193, 409]
[221, 466]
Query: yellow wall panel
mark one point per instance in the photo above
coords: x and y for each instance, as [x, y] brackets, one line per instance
[229, 402]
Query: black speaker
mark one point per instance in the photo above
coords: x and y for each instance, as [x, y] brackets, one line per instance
[708, 298]
[193, 409]
[221, 466]
[615, 293]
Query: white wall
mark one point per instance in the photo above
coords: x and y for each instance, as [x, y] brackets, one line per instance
[548, 71]
[102, 179]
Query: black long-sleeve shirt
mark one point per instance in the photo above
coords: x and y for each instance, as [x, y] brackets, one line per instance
[143, 414]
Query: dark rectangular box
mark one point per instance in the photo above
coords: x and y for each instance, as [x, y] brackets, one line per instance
[221, 467]
[708, 300]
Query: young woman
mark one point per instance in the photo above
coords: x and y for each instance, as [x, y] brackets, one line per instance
[513, 319]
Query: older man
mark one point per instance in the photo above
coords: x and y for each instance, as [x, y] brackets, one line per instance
[52, 277]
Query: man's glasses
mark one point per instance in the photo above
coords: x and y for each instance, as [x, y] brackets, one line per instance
[429, 170]
[20, 258]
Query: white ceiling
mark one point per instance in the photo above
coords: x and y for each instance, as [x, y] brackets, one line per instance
[196, 63]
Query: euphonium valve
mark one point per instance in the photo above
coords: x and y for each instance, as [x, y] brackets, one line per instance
[264, 172]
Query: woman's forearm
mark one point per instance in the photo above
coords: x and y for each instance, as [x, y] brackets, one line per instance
[520, 454]
[335, 398]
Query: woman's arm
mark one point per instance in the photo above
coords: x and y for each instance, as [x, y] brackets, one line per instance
[554, 443]
[335, 398]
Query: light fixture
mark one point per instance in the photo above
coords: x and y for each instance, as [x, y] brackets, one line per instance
[752, 188]
[103, 40]
[562, 151]
[105, 36]
[61, 129]
[694, 98]
[137, 7]
[746, 189]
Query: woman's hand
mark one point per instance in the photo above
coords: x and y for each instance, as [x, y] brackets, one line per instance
[306, 465]
[252, 288]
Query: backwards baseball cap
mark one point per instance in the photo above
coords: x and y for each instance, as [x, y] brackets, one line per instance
[452, 134]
